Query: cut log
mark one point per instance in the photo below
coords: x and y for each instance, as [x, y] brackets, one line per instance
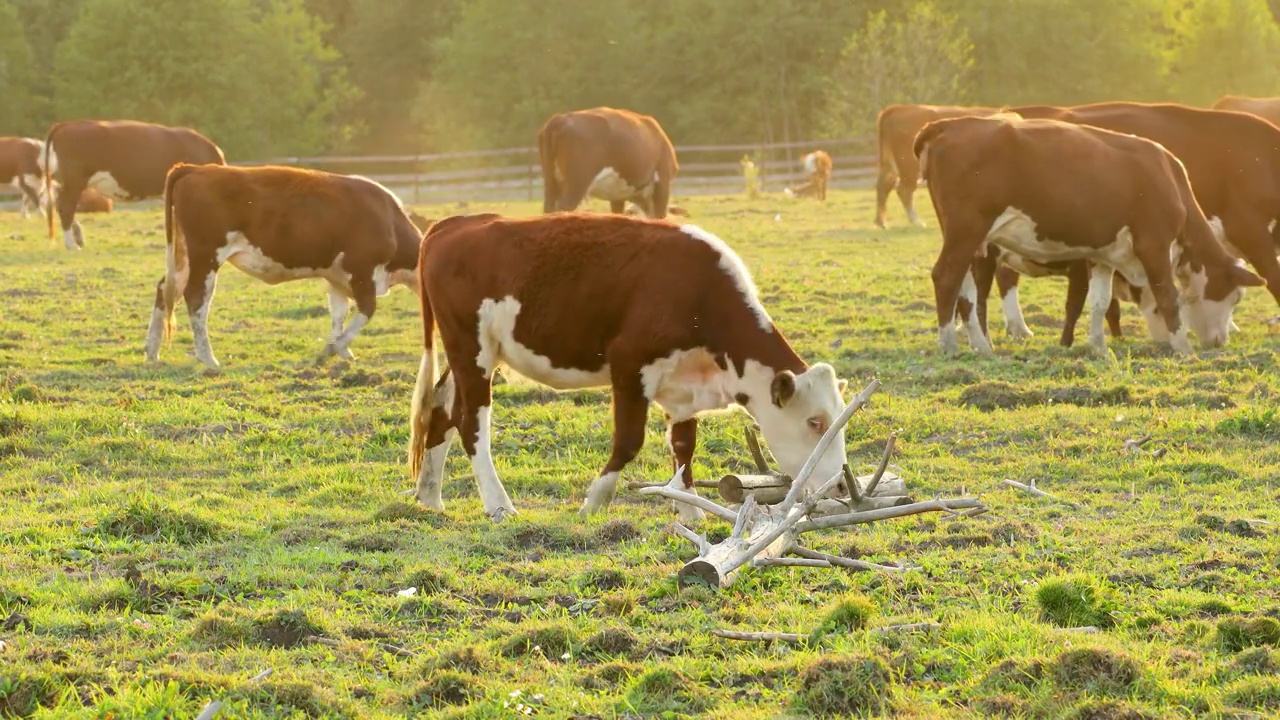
[767, 489]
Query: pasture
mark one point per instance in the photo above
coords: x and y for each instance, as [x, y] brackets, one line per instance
[167, 533]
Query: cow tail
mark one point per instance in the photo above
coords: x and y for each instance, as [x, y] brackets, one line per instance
[48, 175]
[887, 165]
[176, 247]
[425, 388]
[547, 157]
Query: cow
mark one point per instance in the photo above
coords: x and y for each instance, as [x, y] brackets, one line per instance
[279, 224]
[1231, 158]
[1053, 191]
[817, 170]
[91, 201]
[896, 165]
[1009, 267]
[656, 311]
[121, 159]
[610, 154]
[1267, 108]
[22, 165]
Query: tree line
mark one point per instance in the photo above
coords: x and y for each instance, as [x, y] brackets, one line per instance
[266, 78]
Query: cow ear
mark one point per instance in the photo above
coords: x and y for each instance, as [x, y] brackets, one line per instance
[1244, 278]
[783, 387]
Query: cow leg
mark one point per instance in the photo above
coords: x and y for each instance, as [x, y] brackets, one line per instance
[29, 197]
[1113, 318]
[630, 407]
[1099, 297]
[475, 386]
[198, 295]
[1077, 293]
[618, 207]
[1154, 256]
[572, 193]
[984, 270]
[441, 427]
[683, 438]
[661, 199]
[886, 180]
[950, 274]
[72, 233]
[366, 303]
[969, 321]
[906, 193]
[1007, 284]
[338, 307]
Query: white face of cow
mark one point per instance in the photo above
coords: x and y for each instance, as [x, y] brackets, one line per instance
[1210, 320]
[794, 416]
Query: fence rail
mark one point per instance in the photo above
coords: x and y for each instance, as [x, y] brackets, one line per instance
[515, 173]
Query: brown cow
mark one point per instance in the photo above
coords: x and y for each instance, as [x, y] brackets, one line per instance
[1231, 158]
[1267, 108]
[658, 312]
[121, 159]
[280, 224]
[614, 155]
[91, 201]
[22, 165]
[817, 170]
[896, 164]
[1010, 267]
[1052, 191]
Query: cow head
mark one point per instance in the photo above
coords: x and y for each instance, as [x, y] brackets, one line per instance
[796, 413]
[1210, 296]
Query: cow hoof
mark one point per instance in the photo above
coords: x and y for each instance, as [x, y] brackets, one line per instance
[1021, 333]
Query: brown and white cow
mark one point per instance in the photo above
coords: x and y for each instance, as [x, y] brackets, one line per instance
[1267, 108]
[121, 159]
[658, 312]
[22, 165]
[92, 201]
[1231, 158]
[1010, 267]
[817, 170]
[1052, 191]
[610, 154]
[279, 224]
[896, 164]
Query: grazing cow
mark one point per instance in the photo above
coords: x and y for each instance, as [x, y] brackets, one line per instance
[659, 312]
[817, 169]
[1231, 158]
[121, 159]
[91, 201]
[1266, 108]
[1052, 191]
[896, 164]
[614, 155]
[1011, 266]
[280, 224]
[21, 165]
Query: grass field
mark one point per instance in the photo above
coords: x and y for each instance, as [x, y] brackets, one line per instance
[167, 533]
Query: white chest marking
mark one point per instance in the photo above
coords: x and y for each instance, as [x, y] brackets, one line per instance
[250, 259]
[609, 185]
[107, 186]
[498, 346]
[686, 382]
[1016, 232]
[811, 163]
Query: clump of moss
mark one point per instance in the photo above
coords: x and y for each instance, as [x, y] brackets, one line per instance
[443, 688]
[667, 691]
[1212, 522]
[998, 396]
[1097, 670]
[1257, 661]
[1238, 633]
[1256, 694]
[612, 642]
[1076, 601]
[1110, 710]
[852, 612]
[553, 640]
[148, 519]
[26, 692]
[286, 628]
[1012, 675]
[468, 658]
[843, 685]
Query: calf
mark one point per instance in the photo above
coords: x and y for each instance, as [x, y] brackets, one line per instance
[896, 164]
[658, 312]
[22, 165]
[614, 155]
[1053, 191]
[121, 159]
[1267, 108]
[817, 170]
[280, 224]
[91, 201]
[1231, 158]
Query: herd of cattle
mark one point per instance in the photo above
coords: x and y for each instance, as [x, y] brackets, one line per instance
[1149, 203]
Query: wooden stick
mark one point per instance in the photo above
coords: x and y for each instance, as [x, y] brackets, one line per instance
[802, 477]
[262, 675]
[870, 516]
[909, 627]
[637, 485]
[210, 710]
[792, 518]
[975, 512]
[757, 453]
[699, 541]
[1033, 490]
[884, 464]
[1133, 445]
[844, 561]
[397, 650]
[796, 562]
[673, 491]
[759, 636]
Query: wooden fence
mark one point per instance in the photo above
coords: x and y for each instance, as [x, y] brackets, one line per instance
[515, 174]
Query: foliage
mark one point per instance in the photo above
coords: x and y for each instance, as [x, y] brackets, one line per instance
[1224, 47]
[255, 76]
[850, 613]
[1076, 601]
[17, 76]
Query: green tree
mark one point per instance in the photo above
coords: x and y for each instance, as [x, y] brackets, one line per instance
[1224, 46]
[18, 111]
[255, 76]
[922, 57]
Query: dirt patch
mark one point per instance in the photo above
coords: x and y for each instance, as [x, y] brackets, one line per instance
[988, 396]
[445, 688]
[1110, 710]
[612, 643]
[286, 629]
[1015, 675]
[844, 685]
[618, 531]
[1096, 670]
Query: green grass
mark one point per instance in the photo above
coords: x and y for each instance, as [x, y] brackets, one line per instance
[167, 533]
